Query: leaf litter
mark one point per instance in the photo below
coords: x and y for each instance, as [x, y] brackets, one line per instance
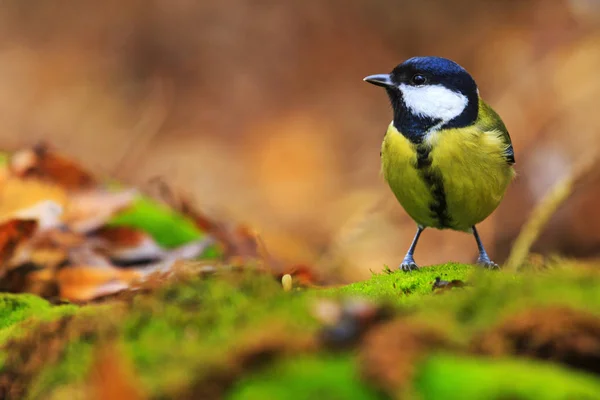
[57, 238]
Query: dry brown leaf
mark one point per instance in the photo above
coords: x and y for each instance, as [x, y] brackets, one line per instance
[43, 163]
[47, 249]
[90, 210]
[121, 236]
[129, 245]
[12, 234]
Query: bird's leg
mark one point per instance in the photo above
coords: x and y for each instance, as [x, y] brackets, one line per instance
[483, 259]
[408, 264]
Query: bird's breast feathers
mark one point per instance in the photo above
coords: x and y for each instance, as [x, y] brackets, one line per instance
[454, 179]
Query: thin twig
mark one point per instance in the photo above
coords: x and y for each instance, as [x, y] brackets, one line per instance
[544, 210]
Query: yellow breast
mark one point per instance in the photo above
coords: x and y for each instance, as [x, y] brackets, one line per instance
[399, 168]
[461, 183]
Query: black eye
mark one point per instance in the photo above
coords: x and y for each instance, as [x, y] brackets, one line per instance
[418, 80]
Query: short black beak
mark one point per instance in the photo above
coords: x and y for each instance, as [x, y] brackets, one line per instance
[379, 80]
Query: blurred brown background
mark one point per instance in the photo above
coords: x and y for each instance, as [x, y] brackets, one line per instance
[258, 109]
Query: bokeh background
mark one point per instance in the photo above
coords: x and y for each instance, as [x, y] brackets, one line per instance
[257, 109]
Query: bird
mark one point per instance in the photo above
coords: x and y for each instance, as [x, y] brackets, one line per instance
[446, 155]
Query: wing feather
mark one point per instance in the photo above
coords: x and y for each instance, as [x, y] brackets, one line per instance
[488, 120]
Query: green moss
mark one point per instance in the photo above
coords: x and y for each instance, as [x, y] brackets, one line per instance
[448, 377]
[495, 296]
[187, 327]
[402, 287]
[489, 297]
[309, 377]
[16, 308]
[188, 330]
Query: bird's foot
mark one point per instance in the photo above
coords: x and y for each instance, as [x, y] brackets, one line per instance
[485, 262]
[408, 264]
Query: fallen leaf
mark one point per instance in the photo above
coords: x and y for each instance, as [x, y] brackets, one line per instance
[125, 245]
[129, 246]
[84, 283]
[17, 194]
[47, 248]
[237, 241]
[12, 234]
[88, 255]
[173, 257]
[47, 213]
[43, 163]
[90, 210]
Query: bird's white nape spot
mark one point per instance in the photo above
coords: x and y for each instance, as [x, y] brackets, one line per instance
[434, 101]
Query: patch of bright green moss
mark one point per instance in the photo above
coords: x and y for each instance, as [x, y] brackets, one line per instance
[401, 287]
[470, 378]
[489, 296]
[16, 308]
[495, 296]
[306, 378]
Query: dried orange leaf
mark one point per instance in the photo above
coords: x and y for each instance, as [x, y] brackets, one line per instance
[83, 283]
[45, 164]
[12, 234]
[17, 194]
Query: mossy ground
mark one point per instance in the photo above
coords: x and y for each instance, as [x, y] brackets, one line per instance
[15, 308]
[239, 335]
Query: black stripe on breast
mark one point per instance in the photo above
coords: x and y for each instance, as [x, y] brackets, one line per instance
[433, 180]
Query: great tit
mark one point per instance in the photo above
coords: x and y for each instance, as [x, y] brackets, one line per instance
[446, 155]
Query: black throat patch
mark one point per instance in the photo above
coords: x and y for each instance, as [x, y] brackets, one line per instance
[433, 179]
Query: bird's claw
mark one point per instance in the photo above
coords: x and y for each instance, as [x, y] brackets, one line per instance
[485, 262]
[408, 265]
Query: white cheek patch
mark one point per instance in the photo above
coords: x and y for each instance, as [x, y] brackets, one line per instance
[434, 101]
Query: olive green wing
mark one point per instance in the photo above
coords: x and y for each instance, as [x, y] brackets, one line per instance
[488, 120]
